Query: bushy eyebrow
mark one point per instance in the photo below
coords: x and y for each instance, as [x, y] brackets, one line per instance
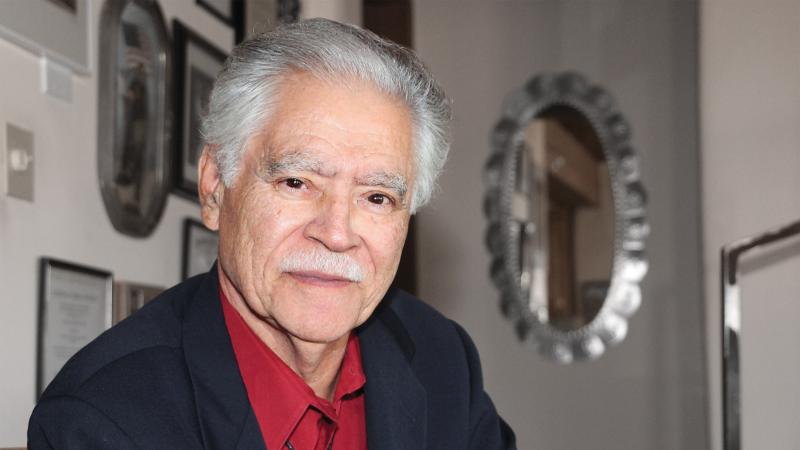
[392, 181]
[299, 161]
[291, 162]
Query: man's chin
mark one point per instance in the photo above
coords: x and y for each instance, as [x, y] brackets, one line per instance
[320, 334]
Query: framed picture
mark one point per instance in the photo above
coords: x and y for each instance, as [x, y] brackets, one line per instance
[134, 115]
[200, 247]
[130, 297]
[197, 63]
[74, 308]
[57, 29]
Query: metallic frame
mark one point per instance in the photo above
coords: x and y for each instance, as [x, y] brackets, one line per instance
[732, 327]
[630, 230]
[124, 221]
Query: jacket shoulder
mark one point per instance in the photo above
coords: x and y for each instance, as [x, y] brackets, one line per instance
[446, 362]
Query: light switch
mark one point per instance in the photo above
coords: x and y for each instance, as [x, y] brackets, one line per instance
[19, 162]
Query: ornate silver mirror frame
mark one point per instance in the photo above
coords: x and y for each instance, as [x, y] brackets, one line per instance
[134, 114]
[517, 235]
[732, 327]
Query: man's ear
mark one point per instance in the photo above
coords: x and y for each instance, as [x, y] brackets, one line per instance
[210, 188]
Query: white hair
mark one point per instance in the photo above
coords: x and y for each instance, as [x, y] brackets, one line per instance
[325, 261]
[246, 90]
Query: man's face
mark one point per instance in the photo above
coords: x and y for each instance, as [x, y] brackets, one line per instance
[331, 174]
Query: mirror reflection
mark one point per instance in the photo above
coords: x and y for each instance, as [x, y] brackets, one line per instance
[577, 212]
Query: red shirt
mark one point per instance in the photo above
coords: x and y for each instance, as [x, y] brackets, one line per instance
[286, 408]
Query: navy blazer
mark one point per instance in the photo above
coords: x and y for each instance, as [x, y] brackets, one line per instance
[167, 378]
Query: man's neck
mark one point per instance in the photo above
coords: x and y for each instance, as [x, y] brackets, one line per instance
[316, 363]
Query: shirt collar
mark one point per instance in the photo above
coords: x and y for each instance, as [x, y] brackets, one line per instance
[279, 397]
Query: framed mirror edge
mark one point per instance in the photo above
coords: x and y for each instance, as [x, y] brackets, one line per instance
[110, 27]
[629, 266]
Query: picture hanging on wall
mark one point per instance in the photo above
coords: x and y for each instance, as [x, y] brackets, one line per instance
[134, 115]
[197, 63]
[54, 29]
[130, 297]
[200, 247]
[75, 306]
[231, 12]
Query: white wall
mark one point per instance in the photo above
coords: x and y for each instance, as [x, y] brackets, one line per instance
[750, 122]
[68, 219]
[648, 393]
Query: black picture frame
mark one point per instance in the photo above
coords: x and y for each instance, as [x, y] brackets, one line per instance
[197, 62]
[200, 248]
[225, 13]
[78, 290]
[232, 14]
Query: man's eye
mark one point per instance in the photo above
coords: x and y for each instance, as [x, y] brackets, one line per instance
[294, 183]
[379, 199]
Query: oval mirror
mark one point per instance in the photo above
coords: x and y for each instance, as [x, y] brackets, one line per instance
[566, 212]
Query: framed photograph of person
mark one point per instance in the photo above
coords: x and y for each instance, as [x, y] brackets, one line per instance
[197, 63]
[129, 297]
[200, 247]
[75, 306]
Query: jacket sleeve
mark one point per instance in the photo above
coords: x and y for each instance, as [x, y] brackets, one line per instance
[66, 423]
[488, 429]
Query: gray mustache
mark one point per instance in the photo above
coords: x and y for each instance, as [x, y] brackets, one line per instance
[336, 264]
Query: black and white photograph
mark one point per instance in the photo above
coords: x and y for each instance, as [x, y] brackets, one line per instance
[197, 63]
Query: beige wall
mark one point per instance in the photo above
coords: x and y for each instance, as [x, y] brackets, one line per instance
[648, 393]
[750, 122]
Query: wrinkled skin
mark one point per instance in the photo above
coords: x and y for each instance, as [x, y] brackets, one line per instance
[315, 177]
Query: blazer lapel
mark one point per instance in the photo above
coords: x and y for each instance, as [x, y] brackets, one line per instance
[395, 401]
[226, 418]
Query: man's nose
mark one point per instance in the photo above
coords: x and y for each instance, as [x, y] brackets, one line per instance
[332, 226]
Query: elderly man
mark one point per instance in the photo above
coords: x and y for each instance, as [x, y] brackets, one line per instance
[321, 141]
